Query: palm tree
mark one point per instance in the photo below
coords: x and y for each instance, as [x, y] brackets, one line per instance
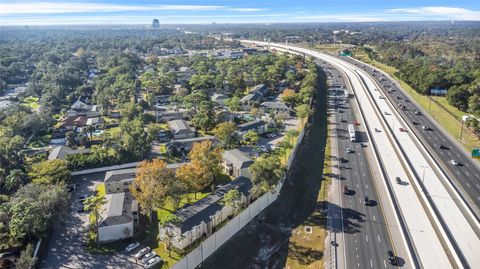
[95, 205]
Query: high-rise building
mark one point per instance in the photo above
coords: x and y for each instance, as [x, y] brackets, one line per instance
[155, 23]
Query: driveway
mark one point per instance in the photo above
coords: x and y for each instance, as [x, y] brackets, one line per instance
[66, 245]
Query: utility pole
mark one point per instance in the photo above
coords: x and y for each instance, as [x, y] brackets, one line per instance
[461, 131]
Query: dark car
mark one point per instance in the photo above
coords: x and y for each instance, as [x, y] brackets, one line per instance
[398, 180]
[391, 258]
[366, 201]
[442, 147]
[345, 190]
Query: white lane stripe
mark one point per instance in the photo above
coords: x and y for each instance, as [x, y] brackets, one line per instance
[378, 236]
[366, 237]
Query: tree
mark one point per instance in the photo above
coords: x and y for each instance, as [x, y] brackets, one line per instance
[284, 146]
[251, 138]
[50, 172]
[204, 166]
[165, 222]
[233, 199]
[225, 132]
[289, 96]
[152, 185]
[95, 204]
[133, 140]
[303, 111]
[266, 172]
[205, 117]
[233, 104]
[458, 97]
[90, 129]
[26, 260]
[70, 138]
[15, 180]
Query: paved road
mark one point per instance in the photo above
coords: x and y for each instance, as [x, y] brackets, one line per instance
[365, 245]
[66, 246]
[467, 175]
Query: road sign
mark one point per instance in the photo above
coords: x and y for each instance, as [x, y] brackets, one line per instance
[476, 153]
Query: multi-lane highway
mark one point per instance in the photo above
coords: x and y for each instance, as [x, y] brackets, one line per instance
[367, 239]
[466, 176]
[436, 221]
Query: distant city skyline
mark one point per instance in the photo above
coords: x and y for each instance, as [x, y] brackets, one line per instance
[248, 11]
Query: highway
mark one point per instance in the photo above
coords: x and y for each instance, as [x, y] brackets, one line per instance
[466, 176]
[367, 242]
[436, 221]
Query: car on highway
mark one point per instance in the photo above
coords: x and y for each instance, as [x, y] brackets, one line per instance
[391, 258]
[142, 252]
[398, 180]
[132, 246]
[441, 146]
[148, 256]
[455, 163]
[153, 262]
[401, 129]
[416, 112]
[425, 127]
[382, 97]
[349, 150]
[386, 113]
[414, 123]
[345, 190]
[366, 201]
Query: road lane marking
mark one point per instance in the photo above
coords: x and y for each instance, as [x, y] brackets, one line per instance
[468, 184]
[366, 185]
[384, 264]
[366, 237]
[374, 218]
[378, 236]
[371, 263]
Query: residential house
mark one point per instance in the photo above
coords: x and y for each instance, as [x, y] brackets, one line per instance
[72, 122]
[260, 88]
[187, 144]
[223, 115]
[61, 152]
[249, 100]
[201, 218]
[169, 115]
[236, 164]
[180, 129]
[258, 126]
[282, 85]
[279, 108]
[219, 98]
[95, 121]
[119, 217]
[184, 74]
[118, 180]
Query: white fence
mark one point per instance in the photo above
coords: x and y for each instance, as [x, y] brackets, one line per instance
[213, 242]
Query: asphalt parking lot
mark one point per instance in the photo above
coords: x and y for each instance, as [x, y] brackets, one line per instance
[66, 247]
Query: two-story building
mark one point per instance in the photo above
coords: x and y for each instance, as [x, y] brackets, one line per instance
[236, 164]
[180, 129]
[119, 217]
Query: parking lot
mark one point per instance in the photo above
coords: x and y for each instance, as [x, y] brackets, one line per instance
[66, 247]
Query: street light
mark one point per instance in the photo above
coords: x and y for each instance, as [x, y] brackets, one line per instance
[423, 175]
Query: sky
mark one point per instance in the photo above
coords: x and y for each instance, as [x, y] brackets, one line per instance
[82, 12]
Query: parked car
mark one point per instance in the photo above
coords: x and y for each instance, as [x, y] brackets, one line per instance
[132, 246]
[142, 253]
[391, 258]
[148, 256]
[453, 162]
[153, 262]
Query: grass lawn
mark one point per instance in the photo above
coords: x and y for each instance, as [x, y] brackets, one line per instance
[305, 245]
[450, 123]
[31, 102]
[41, 141]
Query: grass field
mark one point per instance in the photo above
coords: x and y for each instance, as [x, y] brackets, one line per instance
[31, 102]
[442, 114]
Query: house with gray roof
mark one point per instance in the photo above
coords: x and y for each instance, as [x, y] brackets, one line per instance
[277, 107]
[236, 164]
[118, 218]
[219, 98]
[119, 180]
[258, 126]
[187, 144]
[201, 218]
[249, 100]
[180, 129]
[61, 152]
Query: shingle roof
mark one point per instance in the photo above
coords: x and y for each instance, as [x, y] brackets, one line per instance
[202, 210]
[254, 96]
[130, 173]
[61, 151]
[177, 126]
[250, 125]
[118, 209]
[237, 158]
[275, 105]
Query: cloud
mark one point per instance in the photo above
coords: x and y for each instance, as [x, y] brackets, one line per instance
[90, 7]
[447, 13]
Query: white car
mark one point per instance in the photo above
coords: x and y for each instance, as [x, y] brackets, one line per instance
[453, 162]
[152, 262]
[132, 246]
[148, 256]
[142, 252]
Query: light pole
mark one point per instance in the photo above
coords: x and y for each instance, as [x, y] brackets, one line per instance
[461, 131]
[423, 176]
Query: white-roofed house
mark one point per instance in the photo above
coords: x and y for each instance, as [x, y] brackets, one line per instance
[118, 218]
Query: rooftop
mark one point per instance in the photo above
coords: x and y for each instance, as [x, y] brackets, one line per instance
[118, 209]
[237, 158]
